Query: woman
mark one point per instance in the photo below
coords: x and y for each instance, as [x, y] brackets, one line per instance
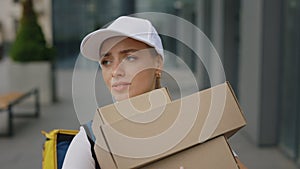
[130, 53]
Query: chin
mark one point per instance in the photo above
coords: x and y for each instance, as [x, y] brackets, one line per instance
[123, 96]
[120, 97]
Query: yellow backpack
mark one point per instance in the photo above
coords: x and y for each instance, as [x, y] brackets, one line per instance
[55, 147]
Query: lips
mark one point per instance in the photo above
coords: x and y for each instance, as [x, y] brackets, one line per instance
[120, 86]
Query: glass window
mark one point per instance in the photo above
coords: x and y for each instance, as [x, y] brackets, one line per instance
[72, 19]
[290, 82]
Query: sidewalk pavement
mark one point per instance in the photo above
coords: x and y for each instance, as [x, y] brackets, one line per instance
[24, 149]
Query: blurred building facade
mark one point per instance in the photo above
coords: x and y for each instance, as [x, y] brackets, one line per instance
[258, 42]
[268, 80]
[10, 14]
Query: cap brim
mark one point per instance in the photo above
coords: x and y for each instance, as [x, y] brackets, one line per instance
[90, 45]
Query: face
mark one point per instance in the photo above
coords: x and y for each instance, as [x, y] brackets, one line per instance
[128, 67]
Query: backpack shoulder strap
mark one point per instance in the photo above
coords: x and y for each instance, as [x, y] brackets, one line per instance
[97, 166]
[91, 137]
[89, 132]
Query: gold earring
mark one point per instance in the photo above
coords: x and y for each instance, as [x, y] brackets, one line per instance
[158, 74]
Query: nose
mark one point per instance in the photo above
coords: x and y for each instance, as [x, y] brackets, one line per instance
[118, 70]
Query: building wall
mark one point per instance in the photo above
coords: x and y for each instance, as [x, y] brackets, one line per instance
[289, 139]
[44, 10]
[11, 12]
[250, 65]
[259, 68]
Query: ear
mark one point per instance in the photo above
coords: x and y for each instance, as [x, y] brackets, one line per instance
[159, 62]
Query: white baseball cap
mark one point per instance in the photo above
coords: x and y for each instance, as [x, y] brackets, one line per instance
[135, 28]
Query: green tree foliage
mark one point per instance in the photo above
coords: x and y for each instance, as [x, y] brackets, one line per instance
[30, 44]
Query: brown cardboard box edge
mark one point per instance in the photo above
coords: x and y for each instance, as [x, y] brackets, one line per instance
[232, 130]
[212, 154]
[242, 113]
[102, 149]
[111, 114]
[209, 155]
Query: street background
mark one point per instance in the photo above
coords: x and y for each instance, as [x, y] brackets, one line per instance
[257, 42]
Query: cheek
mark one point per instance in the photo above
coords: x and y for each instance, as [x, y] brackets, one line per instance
[106, 77]
[143, 82]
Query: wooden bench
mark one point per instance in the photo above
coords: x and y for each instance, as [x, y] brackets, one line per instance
[9, 100]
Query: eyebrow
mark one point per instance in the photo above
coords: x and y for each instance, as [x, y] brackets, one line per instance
[121, 52]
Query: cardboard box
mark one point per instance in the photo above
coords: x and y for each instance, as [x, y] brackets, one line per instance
[178, 125]
[213, 154]
[110, 114]
[129, 108]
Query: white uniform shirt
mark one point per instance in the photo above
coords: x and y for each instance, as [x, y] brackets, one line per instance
[79, 154]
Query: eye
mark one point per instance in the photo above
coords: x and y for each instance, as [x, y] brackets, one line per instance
[105, 62]
[131, 58]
